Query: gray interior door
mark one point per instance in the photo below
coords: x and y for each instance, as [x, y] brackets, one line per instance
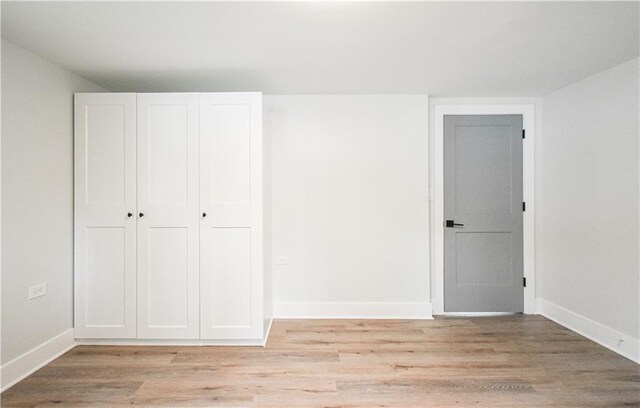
[483, 261]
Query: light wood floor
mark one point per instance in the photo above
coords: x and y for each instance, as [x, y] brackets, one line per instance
[523, 361]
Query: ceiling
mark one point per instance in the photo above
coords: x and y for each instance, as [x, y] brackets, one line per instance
[439, 48]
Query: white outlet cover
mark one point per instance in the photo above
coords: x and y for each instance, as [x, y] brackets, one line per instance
[282, 260]
[37, 291]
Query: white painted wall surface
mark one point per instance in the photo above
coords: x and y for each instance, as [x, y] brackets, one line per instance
[587, 235]
[350, 201]
[37, 198]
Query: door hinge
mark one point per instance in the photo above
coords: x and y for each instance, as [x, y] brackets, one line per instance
[524, 282]
[524, 206]
[523, 133]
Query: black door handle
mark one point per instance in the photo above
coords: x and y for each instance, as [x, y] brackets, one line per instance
[451, 224]
[141, 215]
[204, 215]
[129, 215]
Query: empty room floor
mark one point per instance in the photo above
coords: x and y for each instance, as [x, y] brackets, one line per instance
[494, 361]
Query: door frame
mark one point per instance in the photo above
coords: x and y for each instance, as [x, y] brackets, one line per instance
[528, 121]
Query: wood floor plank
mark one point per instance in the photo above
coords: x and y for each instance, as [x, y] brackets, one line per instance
[510, 361]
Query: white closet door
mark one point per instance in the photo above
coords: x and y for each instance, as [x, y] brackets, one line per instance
[105, 236]
[168, 216]
[231, 197]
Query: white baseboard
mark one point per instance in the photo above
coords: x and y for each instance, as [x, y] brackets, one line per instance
[29, 362]
[614, 340]
[352, 310]
[171, 342]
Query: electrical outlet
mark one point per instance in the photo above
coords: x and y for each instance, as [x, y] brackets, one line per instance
[37, 291]
[282, 260]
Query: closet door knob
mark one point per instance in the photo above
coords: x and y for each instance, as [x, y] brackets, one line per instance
[129, 215]
[141, 215]
[204, 215]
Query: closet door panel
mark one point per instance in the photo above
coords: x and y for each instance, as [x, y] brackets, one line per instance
[104, 154]
[168, 298]
[105, 277]
[167, 278]
[231, 196]
[230, 154]
[228, 256]
[104, 234]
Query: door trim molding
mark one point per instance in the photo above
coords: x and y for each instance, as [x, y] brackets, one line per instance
[528, 119]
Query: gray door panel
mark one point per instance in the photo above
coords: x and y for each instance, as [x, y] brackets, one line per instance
[483, 259]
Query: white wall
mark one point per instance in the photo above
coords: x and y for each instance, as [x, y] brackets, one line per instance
[587, 235]
[37, 198]
[350, 204]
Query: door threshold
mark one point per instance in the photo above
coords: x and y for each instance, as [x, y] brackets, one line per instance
[480, 314]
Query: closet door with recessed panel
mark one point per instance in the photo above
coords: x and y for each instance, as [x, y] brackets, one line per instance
[104, 215]
[231, 210]
[168, 216]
